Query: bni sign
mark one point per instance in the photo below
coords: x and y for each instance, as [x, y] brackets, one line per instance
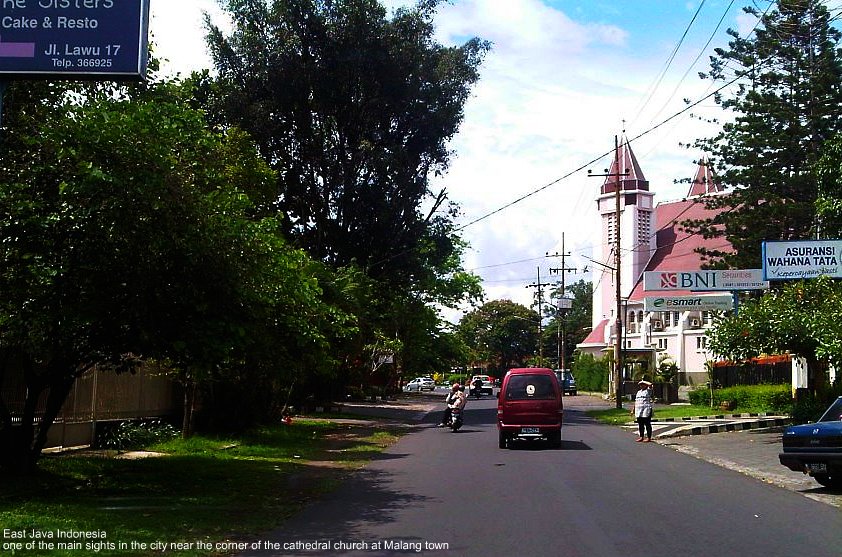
[802, 259]
[705, 281]
[74, 39]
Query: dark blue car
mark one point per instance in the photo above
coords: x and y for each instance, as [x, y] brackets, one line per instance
[816, 448]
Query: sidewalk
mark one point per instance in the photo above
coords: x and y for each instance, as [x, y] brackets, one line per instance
[702, 425]
[409, 411]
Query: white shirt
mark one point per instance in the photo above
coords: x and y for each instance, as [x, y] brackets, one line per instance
[643, 404]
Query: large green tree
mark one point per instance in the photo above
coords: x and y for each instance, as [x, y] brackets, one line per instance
[127, 233]
[803, 318]
[782, 105]
[829, 203]
[502, 333]
[353, 109]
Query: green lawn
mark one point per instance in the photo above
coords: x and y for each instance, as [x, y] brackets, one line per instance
[203, 491]
[620, 416]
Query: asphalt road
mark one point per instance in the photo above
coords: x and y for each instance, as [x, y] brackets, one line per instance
[600, 495]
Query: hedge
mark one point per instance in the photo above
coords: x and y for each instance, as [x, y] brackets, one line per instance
[591, 374]
[773, 398]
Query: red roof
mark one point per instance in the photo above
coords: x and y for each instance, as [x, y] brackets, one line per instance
[597, 335]
[675, 246]
[704, 182]
[624, 166]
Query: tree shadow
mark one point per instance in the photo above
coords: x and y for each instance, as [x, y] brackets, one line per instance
[367, 497]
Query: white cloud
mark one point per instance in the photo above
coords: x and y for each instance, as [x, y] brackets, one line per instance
[554, 90]
[178, 33]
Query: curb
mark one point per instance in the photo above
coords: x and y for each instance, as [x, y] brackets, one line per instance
[721, 417]
[723, 428]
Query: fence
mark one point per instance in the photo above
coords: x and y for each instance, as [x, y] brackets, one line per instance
[753, 373]
[98, 396]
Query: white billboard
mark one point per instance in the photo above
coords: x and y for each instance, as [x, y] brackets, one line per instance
[705, 281]
[802, 259]
[716, 302]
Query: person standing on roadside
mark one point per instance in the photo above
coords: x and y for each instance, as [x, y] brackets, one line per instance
[643, 410]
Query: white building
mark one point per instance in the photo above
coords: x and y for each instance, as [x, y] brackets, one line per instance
[651, 239]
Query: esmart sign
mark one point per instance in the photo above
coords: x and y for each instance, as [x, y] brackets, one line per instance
[717, 302]
[705, 281]
[802, 259]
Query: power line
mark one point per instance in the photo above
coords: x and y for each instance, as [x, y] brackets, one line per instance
[698, 57]
[669, 62]
[596, 159]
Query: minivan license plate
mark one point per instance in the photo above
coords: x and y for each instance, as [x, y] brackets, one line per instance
[817, 467]
[529, 430]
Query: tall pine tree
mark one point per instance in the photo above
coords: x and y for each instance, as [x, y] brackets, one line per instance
[785, 99]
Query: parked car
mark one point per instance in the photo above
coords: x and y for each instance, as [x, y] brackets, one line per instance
[530, 407]
[567, 381]
[816, 448]
[487, 387]
[420, 384]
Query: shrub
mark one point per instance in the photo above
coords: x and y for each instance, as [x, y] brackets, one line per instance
[770, 398]
[128, 436]
[591, 374]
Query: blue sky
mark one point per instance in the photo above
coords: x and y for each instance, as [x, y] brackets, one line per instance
[562, 78]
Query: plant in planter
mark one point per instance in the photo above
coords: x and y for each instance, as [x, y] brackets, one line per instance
[667, 369]
[665, 375]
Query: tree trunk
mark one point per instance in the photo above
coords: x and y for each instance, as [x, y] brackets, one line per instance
[22, 443]
[187, 422]
[816, 377]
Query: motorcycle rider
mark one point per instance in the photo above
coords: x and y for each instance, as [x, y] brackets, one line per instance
[455, 399]
[476, 389]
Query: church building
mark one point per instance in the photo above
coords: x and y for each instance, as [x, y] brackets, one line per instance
[651, 239]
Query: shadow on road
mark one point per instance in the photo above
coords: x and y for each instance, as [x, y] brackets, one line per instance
[367, 496]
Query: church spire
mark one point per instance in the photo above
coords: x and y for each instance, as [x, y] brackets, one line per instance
[625, 162]
[704, 182]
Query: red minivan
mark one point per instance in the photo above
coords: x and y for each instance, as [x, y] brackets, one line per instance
[530, 407]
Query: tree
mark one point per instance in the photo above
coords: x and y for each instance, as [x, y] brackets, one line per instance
[829, 202]
[353, 110]
[501, 332]
[802, 318]
[127, 234]
[787, 87]
[576, 321]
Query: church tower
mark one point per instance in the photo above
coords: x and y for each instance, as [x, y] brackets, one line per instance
[637, 231]
[704, 182]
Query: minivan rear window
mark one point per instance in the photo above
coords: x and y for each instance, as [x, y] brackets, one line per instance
[530, 387]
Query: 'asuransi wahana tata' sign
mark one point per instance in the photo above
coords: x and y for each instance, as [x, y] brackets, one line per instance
[802, 259]
[74, 39]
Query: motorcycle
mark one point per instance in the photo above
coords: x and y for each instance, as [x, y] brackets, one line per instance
[455, 421]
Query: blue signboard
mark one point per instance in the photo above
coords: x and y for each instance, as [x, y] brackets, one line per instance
[74, 39]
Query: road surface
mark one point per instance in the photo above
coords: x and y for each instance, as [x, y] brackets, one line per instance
[601, 495]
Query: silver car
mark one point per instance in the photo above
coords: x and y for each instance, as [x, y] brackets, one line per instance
[420, 384]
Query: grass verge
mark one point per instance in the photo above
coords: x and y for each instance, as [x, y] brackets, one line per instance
[205, 490]
[618, 416]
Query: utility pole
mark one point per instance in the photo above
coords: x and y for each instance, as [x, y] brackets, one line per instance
[540, 294]
[562, 351]
[618, 338]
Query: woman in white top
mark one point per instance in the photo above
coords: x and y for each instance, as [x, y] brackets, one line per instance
[643, 410]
